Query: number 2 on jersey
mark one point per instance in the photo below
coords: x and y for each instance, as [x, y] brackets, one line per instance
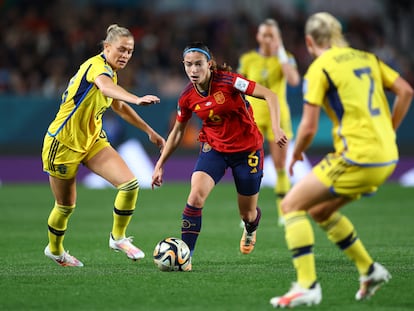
[367, 71]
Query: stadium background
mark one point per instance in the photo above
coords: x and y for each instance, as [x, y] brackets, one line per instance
[43, 44]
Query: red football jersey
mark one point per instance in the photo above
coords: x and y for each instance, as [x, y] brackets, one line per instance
[228, 124]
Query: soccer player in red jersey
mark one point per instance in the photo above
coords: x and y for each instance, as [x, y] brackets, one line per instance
[229, 137]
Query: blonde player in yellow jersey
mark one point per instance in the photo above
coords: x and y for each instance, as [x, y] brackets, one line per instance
[76, 137]
[271, 66]
[349, 85]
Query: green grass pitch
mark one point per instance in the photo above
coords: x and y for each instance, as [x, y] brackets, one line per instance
[222, 278]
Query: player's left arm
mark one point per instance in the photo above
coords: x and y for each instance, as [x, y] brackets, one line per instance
[403, 91]
[307, 129]
[402, 101]
[126, 112]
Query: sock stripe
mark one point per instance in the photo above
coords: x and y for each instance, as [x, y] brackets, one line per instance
[131, 185]
[330, 223]
[348, 241]
[56, 232]
[301, 251]
[191, 232]
[123, 212]
[192, 211]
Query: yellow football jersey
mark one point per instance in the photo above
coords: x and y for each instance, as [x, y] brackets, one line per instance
[349, 84]
[267, 71]
[78, 122]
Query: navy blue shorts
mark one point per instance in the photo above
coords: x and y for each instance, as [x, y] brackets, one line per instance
[246, 167]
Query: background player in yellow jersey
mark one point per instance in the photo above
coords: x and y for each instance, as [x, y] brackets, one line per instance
[76, 137]
[271, 66]
[349, 85]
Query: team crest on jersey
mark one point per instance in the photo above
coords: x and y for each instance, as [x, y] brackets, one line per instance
[241, 84]
[206, 147]
[62, 169]
[219, 97]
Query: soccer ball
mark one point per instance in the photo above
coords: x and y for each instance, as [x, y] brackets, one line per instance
[171, 254]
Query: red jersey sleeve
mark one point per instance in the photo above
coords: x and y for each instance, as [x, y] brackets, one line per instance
[184, 111]
[244, 85]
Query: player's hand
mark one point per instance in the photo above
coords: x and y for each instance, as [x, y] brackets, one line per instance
[157, 140]
[295, 157]
[157, 177]
[281, 138]
[148, 100]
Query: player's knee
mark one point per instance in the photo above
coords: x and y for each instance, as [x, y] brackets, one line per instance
[196, 200]
[285, 206]
[130, 187]
[319, 215]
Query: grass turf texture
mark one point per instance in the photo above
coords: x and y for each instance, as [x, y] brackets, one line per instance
[222, 278]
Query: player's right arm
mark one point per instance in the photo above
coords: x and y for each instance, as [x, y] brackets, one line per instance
[173, 141]
[287, 63]
[112, 90]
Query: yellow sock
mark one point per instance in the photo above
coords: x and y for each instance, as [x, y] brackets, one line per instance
[124, 207]
[341, 231]
[281, 188]
[283, 183]
[300, 240]
[57, 223]
[281, 220]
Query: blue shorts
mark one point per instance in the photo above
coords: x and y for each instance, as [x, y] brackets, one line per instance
[246, 167]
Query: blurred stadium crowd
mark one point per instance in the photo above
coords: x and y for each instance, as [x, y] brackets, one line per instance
[44, 42]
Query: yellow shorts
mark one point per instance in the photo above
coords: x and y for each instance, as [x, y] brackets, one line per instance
[346, 179]
[262, 119]
[62, 162]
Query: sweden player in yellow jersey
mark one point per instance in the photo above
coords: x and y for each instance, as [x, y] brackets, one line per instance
[349, 85]
[271, 66]
[76, 137]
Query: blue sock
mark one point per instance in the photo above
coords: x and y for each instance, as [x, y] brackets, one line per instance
[191, 226]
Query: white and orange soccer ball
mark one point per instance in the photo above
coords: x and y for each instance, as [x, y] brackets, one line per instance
[172, 254]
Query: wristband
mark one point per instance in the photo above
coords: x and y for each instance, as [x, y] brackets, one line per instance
[281, 54]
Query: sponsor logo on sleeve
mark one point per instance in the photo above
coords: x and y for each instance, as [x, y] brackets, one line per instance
[241, 84]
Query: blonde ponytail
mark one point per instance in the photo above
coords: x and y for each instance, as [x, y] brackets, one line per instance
[114, 31]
